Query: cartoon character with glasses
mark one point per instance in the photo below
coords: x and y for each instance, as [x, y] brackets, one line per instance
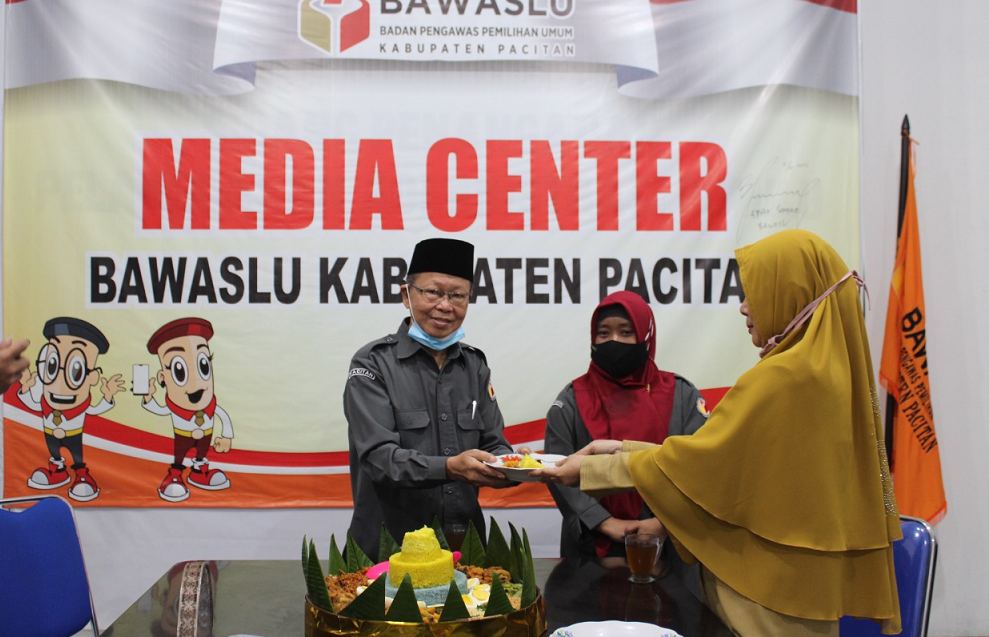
[187, 375]
[60, 390]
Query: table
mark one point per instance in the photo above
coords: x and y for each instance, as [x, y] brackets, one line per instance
[266, 597]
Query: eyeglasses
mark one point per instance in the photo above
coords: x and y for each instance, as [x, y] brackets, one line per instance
[457, 299]
[74, 370]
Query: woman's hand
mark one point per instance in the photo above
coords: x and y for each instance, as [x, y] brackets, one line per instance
[566, 472]
[601, 447]
[616, 530]
[651, 525]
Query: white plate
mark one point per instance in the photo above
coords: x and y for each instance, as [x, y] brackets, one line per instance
[614, 629]
[522, 475]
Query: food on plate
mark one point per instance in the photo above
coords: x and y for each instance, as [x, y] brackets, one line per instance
[528, 462]
[521, 462]
[511, 462]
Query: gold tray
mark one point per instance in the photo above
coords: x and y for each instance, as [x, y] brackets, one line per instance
[528, 622]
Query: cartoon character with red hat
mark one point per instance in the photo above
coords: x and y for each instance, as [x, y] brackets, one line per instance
[60, 390]
[187, 375]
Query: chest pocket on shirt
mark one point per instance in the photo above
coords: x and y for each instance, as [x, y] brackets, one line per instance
[470, 428]
[413, 428]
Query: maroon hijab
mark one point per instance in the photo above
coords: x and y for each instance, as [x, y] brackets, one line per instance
[635, 407]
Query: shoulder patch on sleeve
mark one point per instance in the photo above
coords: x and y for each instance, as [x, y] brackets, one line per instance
[702, 407]
[558, 404]
[491, 394]
[361, 371]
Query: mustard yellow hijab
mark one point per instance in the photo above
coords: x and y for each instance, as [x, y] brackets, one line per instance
[784, 494]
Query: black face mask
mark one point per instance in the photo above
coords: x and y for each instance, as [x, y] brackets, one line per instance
[618, 359]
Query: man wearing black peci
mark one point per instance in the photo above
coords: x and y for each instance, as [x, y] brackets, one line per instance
[421, 410]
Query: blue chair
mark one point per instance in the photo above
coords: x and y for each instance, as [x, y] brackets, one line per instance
[914, 558]
[44, 590]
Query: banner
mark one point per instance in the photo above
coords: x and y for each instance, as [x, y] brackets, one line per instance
[256, 174]
[915, 462]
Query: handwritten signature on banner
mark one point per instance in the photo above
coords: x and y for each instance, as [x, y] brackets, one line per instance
[775, 198]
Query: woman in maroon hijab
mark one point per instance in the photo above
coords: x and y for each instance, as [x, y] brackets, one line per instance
[623, 396]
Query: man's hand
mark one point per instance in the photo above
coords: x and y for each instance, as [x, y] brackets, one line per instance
[12, 362]
[221, 444]
[566, 472]
[469, 467]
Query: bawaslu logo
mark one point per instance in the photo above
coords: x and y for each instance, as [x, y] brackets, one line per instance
[334, 25]
[441, 29]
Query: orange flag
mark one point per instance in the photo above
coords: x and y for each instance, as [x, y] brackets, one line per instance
[914, 461]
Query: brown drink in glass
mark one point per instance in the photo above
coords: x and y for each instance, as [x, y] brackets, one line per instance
[641, 550]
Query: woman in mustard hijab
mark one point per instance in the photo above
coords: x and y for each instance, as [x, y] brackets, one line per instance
[784, 496]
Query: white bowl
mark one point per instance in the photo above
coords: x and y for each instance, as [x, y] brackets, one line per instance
[614, 629]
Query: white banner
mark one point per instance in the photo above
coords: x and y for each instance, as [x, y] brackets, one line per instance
[268, 167]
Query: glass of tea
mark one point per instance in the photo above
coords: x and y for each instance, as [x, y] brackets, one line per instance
[641, 550]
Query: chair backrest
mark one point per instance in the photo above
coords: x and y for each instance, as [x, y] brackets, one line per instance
[915, 558]
[44, 590]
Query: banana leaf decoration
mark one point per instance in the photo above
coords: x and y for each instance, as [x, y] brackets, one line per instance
[454, 609]
[514, 562]
[370, 604]
[498, 552]
[337, 563]
[388, 545]
[356, 558]
[529, 590]
[472, 551]
[405, 607]
[498, 603]
[315, 580]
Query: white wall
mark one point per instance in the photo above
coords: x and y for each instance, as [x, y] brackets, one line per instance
[927, 59]
[931, 60]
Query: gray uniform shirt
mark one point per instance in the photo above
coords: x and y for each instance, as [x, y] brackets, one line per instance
[567, 433]
[405, 418]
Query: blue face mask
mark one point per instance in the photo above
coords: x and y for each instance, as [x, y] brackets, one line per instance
[419, 336]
